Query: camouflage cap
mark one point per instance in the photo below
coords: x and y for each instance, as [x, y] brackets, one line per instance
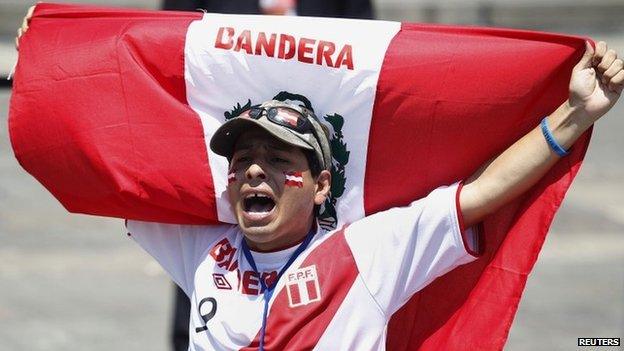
[224, 139]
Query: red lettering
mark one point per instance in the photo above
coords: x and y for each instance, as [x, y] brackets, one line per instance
[244, 42]
[282, 53]
[305, 47]
[224, 44]
[238, 277]
[269, 47]
[269, 278]
[345, 57]
[287, 47]
[223, 253]
[324, 52]
[250, 283]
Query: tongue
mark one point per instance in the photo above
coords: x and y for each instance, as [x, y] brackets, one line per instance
[260, 207]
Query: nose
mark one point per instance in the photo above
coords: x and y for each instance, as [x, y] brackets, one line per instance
[255, 171]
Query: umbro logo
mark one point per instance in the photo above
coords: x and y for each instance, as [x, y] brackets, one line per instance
[302, 286]
[220, 281]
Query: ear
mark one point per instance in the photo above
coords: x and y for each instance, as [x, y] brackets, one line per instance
[323, 185]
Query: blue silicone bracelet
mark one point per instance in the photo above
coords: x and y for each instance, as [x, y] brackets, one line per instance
[551, 140]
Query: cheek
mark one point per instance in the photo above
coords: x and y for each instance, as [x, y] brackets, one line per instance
[297, 202]
[232, 193]
[298, 192]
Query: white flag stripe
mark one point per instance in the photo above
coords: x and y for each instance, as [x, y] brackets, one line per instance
[294, 178]
[335, 63]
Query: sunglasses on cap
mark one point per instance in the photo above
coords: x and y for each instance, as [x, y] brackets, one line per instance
[283, 116]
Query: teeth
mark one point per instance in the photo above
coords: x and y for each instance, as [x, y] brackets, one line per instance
[257, 195]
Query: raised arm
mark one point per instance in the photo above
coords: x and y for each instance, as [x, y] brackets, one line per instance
[596, 84]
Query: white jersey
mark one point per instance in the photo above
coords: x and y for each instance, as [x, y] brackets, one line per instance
[339, 294]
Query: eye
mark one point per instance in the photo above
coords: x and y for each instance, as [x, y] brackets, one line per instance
[279, 160]
[242, 159]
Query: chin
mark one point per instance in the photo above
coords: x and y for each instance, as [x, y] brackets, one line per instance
[259, 228]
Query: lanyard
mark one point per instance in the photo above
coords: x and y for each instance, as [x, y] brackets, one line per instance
[268, 290]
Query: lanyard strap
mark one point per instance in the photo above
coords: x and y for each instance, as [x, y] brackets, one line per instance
[268, 290]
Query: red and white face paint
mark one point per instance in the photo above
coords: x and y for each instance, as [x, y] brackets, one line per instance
[232, 176]
[293, 178]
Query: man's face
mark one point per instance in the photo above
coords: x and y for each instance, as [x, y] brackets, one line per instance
[270, 211]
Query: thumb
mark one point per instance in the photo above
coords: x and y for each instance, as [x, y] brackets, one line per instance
[586, 60]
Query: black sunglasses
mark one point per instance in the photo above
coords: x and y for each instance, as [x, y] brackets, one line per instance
[283, 116]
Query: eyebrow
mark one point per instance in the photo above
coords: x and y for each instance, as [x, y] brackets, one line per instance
[282, 147]
[245, 145]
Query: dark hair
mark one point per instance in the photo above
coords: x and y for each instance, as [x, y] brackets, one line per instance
[315, 170]
[313, 162]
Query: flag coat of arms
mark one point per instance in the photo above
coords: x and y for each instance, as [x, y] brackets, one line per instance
[112, 111]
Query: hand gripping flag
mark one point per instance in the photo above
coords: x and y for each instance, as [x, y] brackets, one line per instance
[112, 111]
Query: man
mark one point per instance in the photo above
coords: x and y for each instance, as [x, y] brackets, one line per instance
[346, 8]
[278, 281]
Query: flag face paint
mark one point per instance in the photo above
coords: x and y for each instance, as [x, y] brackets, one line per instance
[232, 176]
[293, 179]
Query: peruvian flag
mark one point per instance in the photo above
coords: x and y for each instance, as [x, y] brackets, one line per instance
[112, 111]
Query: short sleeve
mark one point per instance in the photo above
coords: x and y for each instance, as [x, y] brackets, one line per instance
[178, 248]
[400, 251]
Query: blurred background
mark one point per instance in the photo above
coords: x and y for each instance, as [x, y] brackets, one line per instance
[75, 282]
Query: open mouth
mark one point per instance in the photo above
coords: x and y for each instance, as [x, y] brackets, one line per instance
[258, 204]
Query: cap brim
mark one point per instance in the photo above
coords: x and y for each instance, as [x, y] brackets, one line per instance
[224, 139]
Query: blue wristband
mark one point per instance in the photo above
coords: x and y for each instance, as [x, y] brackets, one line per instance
[551, 140]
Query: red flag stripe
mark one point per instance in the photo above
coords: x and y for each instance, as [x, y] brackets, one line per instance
[295, 297]
[122, 160]
[450, 148]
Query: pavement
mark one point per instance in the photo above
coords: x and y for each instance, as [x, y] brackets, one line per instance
[76, 282]
[71, 282]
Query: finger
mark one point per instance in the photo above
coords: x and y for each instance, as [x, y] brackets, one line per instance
[586, 60]
[616, 88]
[30, 12]
[25, 23]
[607, 60]
[601, 49]
[17, 38]
[615, 67]
[617, 80]
[28, 17]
